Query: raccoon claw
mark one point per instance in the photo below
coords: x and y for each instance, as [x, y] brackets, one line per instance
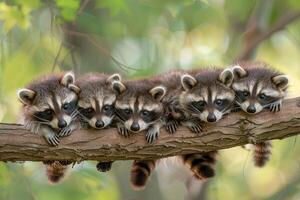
[172, 126]
[196, 128]
[151, 136]
[65, 132]
[276, 107]
[104, 166]
[52, 140]
[123, 131]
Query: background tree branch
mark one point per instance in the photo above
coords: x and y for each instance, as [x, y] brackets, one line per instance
[17, 144]
[254, 33]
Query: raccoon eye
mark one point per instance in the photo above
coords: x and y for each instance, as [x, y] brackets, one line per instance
[89, 110]
[65, 106]
[262, 96]
[107, 107]
[246, 93]
[199, 103]
[145, 112]
[127, 111]
[219, 102]
[48, 112]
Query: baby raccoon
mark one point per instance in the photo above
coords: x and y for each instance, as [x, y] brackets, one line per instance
[139, 107]
[207, 96]
[49, 109]
[96, 101]
[258, 87]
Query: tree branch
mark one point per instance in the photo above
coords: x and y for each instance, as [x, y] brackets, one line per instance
[253, 40]
[236, 129]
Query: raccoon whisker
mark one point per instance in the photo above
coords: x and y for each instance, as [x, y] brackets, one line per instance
[74, 113]
[119, 117]
[82, 116]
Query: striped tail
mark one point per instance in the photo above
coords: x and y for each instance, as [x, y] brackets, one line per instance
[262, 153]
[201, 164]
[55, 170]
[140, 173]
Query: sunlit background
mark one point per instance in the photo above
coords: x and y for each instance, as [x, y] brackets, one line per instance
[140, 38]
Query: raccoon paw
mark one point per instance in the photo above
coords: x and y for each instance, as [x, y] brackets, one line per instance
[52, 139]
[123, 131]
[196, 128]
[152, 135]
[65, 131]
[104, 166]
[276, 107]
[172, 126]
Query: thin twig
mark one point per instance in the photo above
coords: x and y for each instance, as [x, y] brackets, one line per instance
[92, 40]
[57, 56]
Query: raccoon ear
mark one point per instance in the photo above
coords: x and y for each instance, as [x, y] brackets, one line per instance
[74, 88]
[114, 77]
[26, 96]
[280, 81]
[238, 71]
[158, 92]
[226, 77]
[68, 78]
[118, 87]
[188, 82]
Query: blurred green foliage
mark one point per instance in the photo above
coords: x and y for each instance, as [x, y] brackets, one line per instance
[151, 36]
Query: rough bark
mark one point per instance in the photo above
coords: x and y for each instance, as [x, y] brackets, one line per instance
[236, 129]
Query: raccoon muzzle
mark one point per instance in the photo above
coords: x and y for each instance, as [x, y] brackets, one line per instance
[262, 153]
[56, 170]
[201, 164]
[140, 173]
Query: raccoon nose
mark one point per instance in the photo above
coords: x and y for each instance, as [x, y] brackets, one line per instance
[61, 123]
[211, 118]
[251, 109]
[135, 127]
[99, 124]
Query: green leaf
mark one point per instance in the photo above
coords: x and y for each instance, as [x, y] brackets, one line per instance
[68, 8]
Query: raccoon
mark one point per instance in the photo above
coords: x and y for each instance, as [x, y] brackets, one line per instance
[96, 104]
[207, 96]
[50, 109]
[259, 87]
[139, 108]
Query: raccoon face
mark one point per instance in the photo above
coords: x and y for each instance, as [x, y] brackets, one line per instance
[258, 88]
[96, 100]
[139, 110]
[53, 102]
[208, 100]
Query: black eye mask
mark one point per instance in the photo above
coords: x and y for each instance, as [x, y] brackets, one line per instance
[264, 99]
[87, 112]
[69, 108]
[108, 110]
[242, 96]
[196, 106]
[124, 114]
[222, 104]
[44, 116]
[150, 116]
